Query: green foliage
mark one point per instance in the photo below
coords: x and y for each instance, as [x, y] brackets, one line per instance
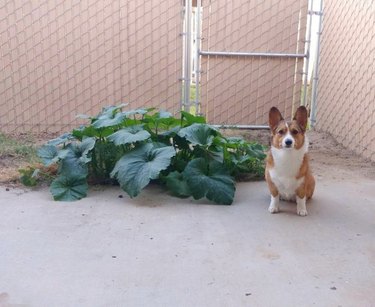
[69, 187]
[32, 176]
[209, 179]
[134, 147]
[137, 167]
[29, 176]
[50, 154]
[198, 134]
[129, 135]
[177, 184]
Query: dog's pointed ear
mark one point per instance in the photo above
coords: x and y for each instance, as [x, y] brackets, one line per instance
[301, 117]
[274, 118]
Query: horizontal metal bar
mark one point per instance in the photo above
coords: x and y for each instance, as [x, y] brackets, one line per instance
[254, 54]
[253, 127]
[319, 13]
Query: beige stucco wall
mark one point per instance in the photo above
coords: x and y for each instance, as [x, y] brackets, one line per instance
[346, 90]
[60, 58]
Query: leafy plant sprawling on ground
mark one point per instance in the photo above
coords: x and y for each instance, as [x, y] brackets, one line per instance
[132, 148]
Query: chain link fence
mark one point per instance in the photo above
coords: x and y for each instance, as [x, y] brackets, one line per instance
[252, 59]
[60, 58]
[346, 88]
[67, 57]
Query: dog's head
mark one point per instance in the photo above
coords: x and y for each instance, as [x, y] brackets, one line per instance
[288, 134]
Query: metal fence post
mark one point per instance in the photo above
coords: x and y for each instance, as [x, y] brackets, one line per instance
[314, 89]
[187, 56]
[198, 19]
[308, 54]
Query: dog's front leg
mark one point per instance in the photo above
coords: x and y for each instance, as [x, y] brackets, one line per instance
[301, 200]
[275, 197]
[274, 205]
[301, 206]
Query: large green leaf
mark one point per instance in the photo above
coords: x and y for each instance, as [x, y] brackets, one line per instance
[177, 184]
[198, 134]
[66, 137]
[210, 180]
[111, 109]
[90, 131]
[192, 119]
[84, 148]
[216, 153]
[69, 188]
[137, 167]
[81, 150]
[109, 120]
[51, 154]
[256, 150]
[82, 131]
[129, 135]
[136, 111]
[110, 116]
[171, 132]
[160, 122]
[71, 166]
[74, 162]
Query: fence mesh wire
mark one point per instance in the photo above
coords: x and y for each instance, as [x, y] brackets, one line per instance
[346, 88]
[241, 90]
[60, 58]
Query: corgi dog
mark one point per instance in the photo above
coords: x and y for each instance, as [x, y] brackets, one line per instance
[288, 173]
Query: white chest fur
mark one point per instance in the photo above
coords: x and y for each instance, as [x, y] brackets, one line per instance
[287, 163]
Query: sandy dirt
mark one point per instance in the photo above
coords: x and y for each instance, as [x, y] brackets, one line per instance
[329, 159]
[332, 160]
[10, 164]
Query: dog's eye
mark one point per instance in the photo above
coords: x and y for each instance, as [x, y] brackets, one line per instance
[281, 132]
[294, 131]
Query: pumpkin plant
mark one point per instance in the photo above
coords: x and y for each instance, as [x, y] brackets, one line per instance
[134, 147]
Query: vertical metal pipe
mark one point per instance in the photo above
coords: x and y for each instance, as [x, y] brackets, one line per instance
[182, 87]
[296, 63]
[308, 54]
[314, 89]
[197, 55]
[187, 64]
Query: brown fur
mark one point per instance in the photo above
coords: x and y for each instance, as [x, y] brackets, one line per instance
[282, 128]
[269, 164]
[308, 185]
[297, 127]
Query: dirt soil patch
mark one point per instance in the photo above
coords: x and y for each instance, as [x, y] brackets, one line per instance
[329, 159]
[18, 151]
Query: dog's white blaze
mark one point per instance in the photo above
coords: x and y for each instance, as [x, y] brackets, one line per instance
[288, 136]
[287, 163]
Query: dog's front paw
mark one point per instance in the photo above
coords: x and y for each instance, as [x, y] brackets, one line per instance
[274, 205]
[301, 212]
[273, 209]
[301, 206]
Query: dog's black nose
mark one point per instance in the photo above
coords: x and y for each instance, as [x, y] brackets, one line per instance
[288, 142]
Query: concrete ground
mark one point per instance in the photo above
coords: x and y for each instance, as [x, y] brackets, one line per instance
[157, 250]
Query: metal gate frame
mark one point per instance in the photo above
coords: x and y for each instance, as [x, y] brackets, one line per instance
[187, 69]
[316, 52]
